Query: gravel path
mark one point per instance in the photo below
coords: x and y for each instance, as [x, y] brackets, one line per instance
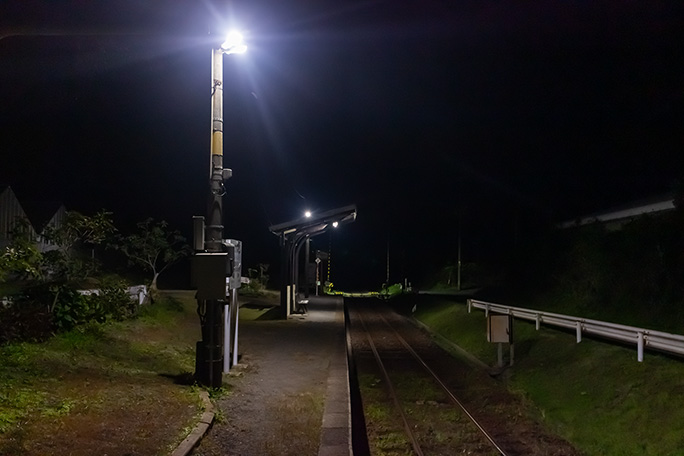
[277, 392]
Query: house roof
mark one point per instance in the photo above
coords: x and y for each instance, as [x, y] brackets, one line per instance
[649, 205]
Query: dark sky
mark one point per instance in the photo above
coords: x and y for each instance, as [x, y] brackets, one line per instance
[429, 115]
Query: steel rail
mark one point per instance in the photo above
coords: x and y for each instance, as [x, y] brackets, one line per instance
[395, 398]
[444, 387]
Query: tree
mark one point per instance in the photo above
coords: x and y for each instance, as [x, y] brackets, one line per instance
[21, 259]
[154, 247]
[77, 231]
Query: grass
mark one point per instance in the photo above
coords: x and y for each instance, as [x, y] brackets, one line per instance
[102, 386]
[385, 435]
[595, 394]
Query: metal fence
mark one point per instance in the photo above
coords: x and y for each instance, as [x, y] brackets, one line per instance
[642, 338]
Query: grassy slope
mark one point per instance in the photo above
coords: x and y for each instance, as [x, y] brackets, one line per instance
[595, 394]
[102, 388]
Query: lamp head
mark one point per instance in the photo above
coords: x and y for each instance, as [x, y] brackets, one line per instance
[234, 43]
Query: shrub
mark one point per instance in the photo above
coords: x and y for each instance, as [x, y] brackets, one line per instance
[25, 320]
[72, 308]
[115, 301]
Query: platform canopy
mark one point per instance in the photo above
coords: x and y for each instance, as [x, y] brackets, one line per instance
[316, 224]
[293, 235]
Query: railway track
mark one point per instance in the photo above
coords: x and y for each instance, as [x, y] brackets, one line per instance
[423, 407]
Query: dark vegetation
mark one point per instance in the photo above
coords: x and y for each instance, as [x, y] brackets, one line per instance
[40, 289]
[632, 273]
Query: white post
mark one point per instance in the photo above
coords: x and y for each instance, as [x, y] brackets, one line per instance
[640, 346]
[287, 304]
[226, 339]
[236, 306]
[579, 332]
[536, 320]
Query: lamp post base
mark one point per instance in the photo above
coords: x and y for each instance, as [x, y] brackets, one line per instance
[209, 365]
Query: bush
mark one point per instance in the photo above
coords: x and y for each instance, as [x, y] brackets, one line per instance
[632, 275]
[25, 321]
[115, 301]
[72, 308]
[44, 309]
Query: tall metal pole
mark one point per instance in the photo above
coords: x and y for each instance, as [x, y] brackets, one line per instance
[295, 270]
[307, 275]
[214, 235]
[458, 264]
[209, 363]
[387, 280]
[285, 248]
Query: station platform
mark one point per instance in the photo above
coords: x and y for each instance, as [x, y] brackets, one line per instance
[289, 392]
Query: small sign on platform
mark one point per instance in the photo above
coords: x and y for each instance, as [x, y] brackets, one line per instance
[500, 329]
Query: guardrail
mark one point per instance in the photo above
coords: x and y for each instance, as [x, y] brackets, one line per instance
[642, 338]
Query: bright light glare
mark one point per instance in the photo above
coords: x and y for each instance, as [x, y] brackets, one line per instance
[335, 224]
[307, 214]
[234, 43]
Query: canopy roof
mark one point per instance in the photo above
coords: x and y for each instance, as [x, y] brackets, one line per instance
[317, 223]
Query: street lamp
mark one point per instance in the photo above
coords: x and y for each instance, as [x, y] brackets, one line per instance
[209, 363]
[217, 175]
[234, 43]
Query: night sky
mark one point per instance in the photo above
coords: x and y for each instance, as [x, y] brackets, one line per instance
[434, 117]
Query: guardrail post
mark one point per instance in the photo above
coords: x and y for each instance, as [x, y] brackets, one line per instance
[640, 346]
[536, 321]
[486, 310]
[469, 301]
[579, 332]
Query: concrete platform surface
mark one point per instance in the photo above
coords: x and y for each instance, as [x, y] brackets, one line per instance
[291, 387]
